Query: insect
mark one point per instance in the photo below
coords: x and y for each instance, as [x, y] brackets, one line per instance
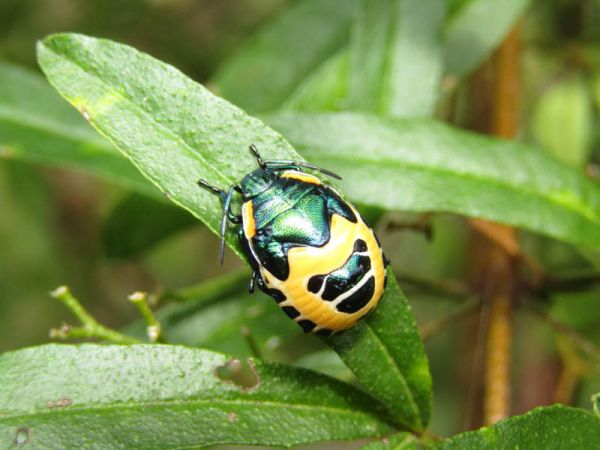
[309, 249]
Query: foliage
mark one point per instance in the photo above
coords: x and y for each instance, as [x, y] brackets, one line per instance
[354, 86]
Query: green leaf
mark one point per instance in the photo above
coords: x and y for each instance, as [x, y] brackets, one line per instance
[563, 121]
[423, 165]
[138, 222]
[546, 427]
[327, 362]
[173, 129]
[596, 403]
[37, 126]
[395, 57]
[155, 396]
[269, 68]
[400, 441]
[325, 89]
[474, 31]
[386, 354]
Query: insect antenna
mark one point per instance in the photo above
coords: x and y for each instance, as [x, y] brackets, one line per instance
[319, 169]
[259, 159]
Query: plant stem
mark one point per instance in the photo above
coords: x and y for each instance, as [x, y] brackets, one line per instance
[497, 372]
[444, 288]
[451, 317]
[140, 299]
[580, 341]
[90, 327]
[576, 282]
[501, 276]
[252, 344]
[222, 285]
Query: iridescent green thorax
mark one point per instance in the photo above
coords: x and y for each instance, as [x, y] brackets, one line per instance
[291, 213]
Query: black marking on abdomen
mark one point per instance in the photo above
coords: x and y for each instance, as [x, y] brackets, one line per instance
[276, 294]
[291, 312]
[346, 277]
[315, 283]
[358, 299]
[360, 246]
[307, 325]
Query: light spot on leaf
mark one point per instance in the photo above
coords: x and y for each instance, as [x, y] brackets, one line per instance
[84, 112]
[22, 436]
[61, 403]
[243, 375]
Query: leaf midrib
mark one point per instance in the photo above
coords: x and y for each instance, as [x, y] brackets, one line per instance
[581, 210]
[192, 402]
[401, 377]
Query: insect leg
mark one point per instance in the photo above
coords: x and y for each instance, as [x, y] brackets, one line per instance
[252, 281]
[227, 213]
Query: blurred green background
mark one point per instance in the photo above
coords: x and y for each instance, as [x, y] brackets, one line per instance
[56, 224]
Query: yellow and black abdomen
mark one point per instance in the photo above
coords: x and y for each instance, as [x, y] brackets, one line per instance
[316, 256]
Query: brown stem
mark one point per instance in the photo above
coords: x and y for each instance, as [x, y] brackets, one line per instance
[501, 277]
[500, 285]
[580, 341]
[443, 288]
[567, 383]
[457, 313]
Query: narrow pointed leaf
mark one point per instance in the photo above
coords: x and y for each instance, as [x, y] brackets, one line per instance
[153, 396]
[325, 89]
[423, 165]
[395, 57]
[546, 427]
[264, 73]
[37, 126]
[386, 354]
[475, 30]
[173, 129]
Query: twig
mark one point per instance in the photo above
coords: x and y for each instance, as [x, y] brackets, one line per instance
[140, 299]
[445, 288]
[570, 374]
[502, 274]
[580, 341]
[90, 327]
[252, 344]
[497, 375]
[451, 317]
[570, 283]
[509, 243]
[229, 283]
